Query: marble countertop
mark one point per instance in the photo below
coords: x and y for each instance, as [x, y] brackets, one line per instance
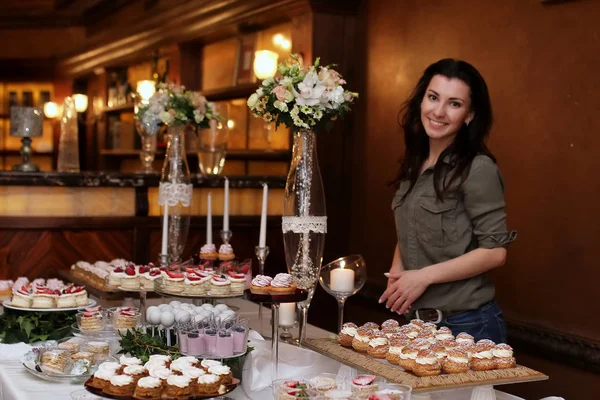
[118, 179]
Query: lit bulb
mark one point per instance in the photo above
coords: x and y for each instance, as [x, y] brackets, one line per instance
[50, 109]
[230, 123]
[81, 102]
[278, 39]
[265, 64]
[146, 89]
[286, 45]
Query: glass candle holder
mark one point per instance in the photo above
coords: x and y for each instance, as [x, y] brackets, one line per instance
[343, 278]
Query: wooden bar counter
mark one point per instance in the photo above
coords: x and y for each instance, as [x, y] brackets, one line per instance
[50, 220]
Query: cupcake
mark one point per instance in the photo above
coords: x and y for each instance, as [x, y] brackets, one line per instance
[261, 284]
[483, 356]
[223, 372]
[238, 282]
[120, 385]
[226, 252]
[378, 345]
[364, 385]
[347, 333]
[148, 387]
[456, 362]
[135, 371]
[444, 333]
[361, 339]
[282, 284]
[426, 364]
[207, 364]
[407, 358]
[101, 378]
[397, 343]
[503, 356]
[390, 327]
[464, 338]
[208, 252]
[173, 282]
[208, 384]
[220, 286]
[178, 386]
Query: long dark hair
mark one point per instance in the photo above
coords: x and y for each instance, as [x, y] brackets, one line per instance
[469, 140]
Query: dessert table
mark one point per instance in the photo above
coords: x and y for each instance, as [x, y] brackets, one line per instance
[17, 384]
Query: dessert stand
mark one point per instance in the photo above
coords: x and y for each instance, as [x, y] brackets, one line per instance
[196, 299]
[275, 300]
[7, 304]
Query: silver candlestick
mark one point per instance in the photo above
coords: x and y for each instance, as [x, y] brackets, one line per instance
[226, 236]
[163, 260]
[261, 255]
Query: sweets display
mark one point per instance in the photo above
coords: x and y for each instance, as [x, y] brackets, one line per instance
[47, 294]
[162, 377]
[425, 350]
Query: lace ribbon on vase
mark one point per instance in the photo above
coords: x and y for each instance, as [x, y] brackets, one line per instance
[174, 193]
[304, 224]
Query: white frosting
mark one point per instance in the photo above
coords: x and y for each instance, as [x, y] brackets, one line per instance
[349, 330]
[219, 370]
[198, 282]
[459, 360]
[378, 342]
[134, 370]
[181, 381]
[427, 360]
[168, 278]
[441, 354]
[149, 382]
[489, 354]
[282, 280]
[409, 356]
[109, 366]
[159, 358]
[121, 380]
[150, 277]
[194, 372]
[412, 334]
[104, 374]
[130, 360]
[262, 281]
[502, 353]
[208, 249]
[180, 365]
[208, 378]
[226, 248]
[210, 363]
[160, 372]
[396, 349]
[188, 359]
[465, 340]
[224, 283]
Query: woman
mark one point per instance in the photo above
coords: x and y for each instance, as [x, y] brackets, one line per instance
[449, 207]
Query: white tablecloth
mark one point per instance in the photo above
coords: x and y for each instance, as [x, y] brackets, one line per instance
[18, 384]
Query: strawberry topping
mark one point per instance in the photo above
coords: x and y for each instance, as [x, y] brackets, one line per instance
[236, 275]
[174, 275]
[23, 291]
[193, 278]
[143, 269]
[130, 270]
[89, 314]
[128, 313]
[363, 380]
[291, 384]
[118, 269]
[219, 279]
[93, 309]
[154, 272]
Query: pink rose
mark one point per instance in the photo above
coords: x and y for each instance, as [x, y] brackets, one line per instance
[279, 92]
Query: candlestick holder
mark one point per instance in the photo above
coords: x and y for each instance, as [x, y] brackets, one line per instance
[261, 254]
[226, 236]
[163, 260]
[343, 278]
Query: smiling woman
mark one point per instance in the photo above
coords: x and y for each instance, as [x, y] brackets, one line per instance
[449, 206]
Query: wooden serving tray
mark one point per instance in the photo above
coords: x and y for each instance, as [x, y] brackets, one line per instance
[393, 373]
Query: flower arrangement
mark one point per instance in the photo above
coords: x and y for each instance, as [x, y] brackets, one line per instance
[302, 98]
[173, 105]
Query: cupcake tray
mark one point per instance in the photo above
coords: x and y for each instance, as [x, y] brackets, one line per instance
[222, 391]
[8, 304]
[393, 373]
[159, 290]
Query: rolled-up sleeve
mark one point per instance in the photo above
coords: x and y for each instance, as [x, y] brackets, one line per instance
[483, 192]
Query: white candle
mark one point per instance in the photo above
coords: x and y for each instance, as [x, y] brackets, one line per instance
[342, 280]
[165, 229]
[226, 207]
[287, 314]
[262, 241]
[209, 220]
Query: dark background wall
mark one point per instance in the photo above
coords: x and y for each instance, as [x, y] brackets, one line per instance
[541, 64]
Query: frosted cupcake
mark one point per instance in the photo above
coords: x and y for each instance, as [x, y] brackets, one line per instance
[208, 252]
[226, 252]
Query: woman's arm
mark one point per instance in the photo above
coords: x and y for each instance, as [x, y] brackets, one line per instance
[409, 285]
[396, 267]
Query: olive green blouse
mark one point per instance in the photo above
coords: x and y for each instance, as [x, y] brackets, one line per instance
[432, 231]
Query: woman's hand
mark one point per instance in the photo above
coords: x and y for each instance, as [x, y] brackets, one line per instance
[403, 289]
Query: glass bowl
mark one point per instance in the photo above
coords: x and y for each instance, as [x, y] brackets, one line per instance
[323, 381]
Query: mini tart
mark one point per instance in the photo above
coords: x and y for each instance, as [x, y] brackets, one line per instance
[464, 338]
[378, 345]
[361, 339]
[483, 356]
[120, 385]
[226, 252]
[457, 362]
[261, 284]
[427, 364]
[178, 386]
[408, 357]
[503, 356]
[347, 333]
[397, 343]
[282, 284]
[220, 286]
[148, 387]
[208, 384]
[390, 327]
[223, 372]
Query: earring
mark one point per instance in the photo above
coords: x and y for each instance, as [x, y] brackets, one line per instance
[467, 123]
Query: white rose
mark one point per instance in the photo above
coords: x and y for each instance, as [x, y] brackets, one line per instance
[166, 118]
[280, 105]
[252, 101]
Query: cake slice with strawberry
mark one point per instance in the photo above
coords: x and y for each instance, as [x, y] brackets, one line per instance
[130, 279]
[364, 385]
[173, 282]
[220, 285]
[238, 282]
[148, 277]
[21, 297]
[44, 297]
[196, 284]
[114, 277]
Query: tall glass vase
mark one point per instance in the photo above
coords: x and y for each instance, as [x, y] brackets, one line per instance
[147, 134]
[175, 196]
[304, 221]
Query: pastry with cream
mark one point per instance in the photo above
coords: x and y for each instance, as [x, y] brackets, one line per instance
[208, 252]
[261, 284]
[378, 345]
[282, 284]
[347, 333]
[483, 356]
[226, 252]
[503, 356]
[456, 362]
[426, 364]
[362, 338]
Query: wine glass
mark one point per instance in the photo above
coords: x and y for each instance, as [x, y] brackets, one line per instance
[342, 278]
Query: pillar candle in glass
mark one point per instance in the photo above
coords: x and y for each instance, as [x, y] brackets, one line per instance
[342, 280]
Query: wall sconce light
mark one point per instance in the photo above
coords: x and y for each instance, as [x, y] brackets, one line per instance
[146, 89]
[265, 64]
[81, 102]
[50, 109]
[230, 123]
[281, 41]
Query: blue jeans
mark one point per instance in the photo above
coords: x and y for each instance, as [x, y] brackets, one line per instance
[486, 322]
